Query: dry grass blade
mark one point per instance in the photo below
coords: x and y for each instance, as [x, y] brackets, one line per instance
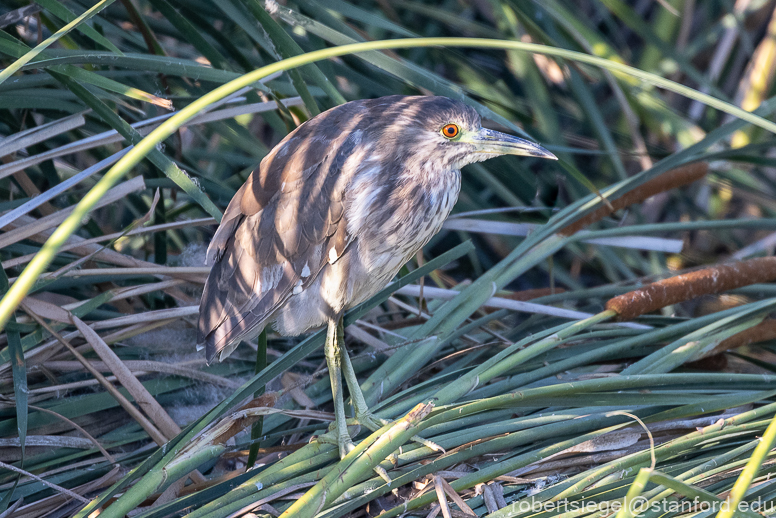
[139, 222]
[46, 483]
[441, 496]
[94, 441]
[16, 261]
[187, 272]
[144, 127]
[136, 389]
[140, 367]
[39, 226]
[49, 441]
[47, 310]
[84, 247]
[40, 133]
[12, 509]
[142, 420]
[454, 496]
[499, 303]
[50, 504]
[148, 316]
[523, 229]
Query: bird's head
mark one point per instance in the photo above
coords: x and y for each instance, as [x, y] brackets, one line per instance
[450, 133]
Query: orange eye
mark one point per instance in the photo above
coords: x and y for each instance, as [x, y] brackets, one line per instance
[450, 130]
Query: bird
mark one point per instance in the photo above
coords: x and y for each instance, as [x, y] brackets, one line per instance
[330, 216]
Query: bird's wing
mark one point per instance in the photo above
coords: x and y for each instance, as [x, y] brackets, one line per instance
[275, 237]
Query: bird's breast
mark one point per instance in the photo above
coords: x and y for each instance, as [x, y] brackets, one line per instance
[393, 218]
[389, 222]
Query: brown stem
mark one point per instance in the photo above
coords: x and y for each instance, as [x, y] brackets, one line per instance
[715, 279]
[665, 182]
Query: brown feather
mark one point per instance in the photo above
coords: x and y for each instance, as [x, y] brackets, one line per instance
[273, 231]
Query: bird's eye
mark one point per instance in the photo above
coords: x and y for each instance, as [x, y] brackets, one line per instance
[450, 130]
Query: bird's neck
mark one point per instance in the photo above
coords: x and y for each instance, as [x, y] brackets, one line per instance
[432, 179]
[433, 188]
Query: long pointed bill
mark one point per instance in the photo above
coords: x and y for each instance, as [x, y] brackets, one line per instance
[497, 143]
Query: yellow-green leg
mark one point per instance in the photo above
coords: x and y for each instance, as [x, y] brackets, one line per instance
[338, 360]
[333, 358]
[364, 416]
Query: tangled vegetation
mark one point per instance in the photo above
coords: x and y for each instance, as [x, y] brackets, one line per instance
[584, 338]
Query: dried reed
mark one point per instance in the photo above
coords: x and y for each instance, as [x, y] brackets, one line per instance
[672, 179]
[714, 279]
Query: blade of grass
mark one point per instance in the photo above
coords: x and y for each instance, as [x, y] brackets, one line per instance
[632, 499]
[731, 505]
[166, 165]
[16, 65]
[63, 13]
[20, 390]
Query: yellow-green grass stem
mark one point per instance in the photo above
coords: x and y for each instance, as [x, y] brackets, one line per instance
[628, 509]
[690, 493]
[517, 353]
[730, 507]
[19, 63]
[358, 463]
[27, 279]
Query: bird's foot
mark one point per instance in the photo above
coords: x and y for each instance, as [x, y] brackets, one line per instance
[342, 441]
[345, 445]
[368, 420]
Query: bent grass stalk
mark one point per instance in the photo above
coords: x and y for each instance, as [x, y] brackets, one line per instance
[27, 279]
[634, 492]
[662, 452]
[512, 356]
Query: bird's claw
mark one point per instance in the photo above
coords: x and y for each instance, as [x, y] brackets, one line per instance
[343, 442]
[371, 422]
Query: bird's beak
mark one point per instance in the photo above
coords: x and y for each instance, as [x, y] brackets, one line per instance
[497, 143]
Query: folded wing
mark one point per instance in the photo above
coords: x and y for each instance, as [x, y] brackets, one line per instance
[275, 235]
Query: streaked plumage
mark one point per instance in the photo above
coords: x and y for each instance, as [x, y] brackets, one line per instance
[332, 213]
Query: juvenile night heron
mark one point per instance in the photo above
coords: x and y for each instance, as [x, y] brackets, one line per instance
[331, 215]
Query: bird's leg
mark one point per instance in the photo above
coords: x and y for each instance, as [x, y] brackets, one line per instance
[364, 416]
[333, 359]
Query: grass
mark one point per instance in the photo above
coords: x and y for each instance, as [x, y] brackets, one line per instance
[129, 125]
